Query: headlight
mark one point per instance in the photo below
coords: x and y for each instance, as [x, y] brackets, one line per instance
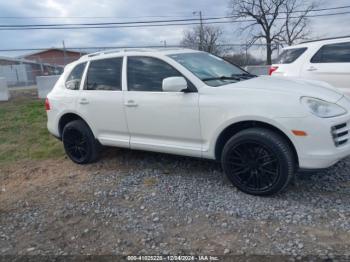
[322, 108]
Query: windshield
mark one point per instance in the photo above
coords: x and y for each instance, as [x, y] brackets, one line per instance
[211, 69]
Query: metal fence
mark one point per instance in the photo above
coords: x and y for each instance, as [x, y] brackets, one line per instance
[23, 72]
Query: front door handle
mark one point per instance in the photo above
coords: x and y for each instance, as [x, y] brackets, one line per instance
[312, 68]
[131, 103]
[83, 101]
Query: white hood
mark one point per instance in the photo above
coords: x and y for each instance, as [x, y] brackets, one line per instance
[316, 89]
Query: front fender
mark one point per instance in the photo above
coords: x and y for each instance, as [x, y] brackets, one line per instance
[209, 148]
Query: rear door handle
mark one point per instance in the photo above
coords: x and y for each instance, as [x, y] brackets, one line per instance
[83, 101]
[131, 103]
[312, 68]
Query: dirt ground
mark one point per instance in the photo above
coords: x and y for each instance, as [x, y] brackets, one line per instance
[57, 207]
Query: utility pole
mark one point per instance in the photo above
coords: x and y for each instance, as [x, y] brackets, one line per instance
[201, 29]
[64, 53]
[246, 54]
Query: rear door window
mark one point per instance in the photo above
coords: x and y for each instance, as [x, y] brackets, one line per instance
[333, 53]
[289, 55]
[105, 74]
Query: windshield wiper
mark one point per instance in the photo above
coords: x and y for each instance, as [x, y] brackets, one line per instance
[222, 78]
[244, 75]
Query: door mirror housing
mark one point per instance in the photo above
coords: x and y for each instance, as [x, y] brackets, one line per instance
[174, 84]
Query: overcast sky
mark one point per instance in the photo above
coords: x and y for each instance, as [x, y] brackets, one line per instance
[134, 10]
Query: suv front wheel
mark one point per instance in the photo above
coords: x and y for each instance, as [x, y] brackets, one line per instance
[258, 161]
[79, 142]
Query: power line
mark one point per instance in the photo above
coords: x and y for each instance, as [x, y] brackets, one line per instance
[176, 14]
[91, 17]
[154, 25]
[112, 47]
[317, 10]
[120, 23]
[147, 22]
[83, 48]
[133, 17]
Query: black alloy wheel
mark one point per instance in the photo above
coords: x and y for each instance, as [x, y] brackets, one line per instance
[76, 145]
[258, 161]
[79, 142]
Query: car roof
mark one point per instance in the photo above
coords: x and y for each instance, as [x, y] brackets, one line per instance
[320, 42]
[135, 51]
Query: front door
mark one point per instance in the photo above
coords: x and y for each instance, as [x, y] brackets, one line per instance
[160, 121]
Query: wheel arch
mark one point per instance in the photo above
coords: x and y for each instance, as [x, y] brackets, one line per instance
[234, 128]
[69, 117]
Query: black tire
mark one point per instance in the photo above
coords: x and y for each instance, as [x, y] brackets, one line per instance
[258, 161]
[79, 142]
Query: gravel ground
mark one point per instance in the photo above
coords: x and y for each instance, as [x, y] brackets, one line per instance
[145, 203]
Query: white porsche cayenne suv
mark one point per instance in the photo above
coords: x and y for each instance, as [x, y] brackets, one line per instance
[192, 103]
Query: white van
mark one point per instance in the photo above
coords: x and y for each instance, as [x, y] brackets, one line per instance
[325, 60]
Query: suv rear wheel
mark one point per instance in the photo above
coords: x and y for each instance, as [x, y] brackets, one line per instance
[79, 142]
[258, 161]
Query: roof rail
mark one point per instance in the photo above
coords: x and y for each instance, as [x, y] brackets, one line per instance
[110, 51]
[138, 49]
[329, 38]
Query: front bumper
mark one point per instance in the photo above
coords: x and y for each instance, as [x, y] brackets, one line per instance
[318, 149]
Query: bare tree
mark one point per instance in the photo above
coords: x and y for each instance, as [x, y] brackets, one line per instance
[207, 39]
[296, 22]
[271, 21]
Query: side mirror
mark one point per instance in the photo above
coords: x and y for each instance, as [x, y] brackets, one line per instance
[174, 84]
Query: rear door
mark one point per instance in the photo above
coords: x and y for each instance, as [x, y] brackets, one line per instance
[160, 121]
[331, 64]
[101, 101]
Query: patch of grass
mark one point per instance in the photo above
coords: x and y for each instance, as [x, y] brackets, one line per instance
[23, 132]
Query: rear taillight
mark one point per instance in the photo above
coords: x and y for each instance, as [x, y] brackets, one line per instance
[47, 104]
[272, 69]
